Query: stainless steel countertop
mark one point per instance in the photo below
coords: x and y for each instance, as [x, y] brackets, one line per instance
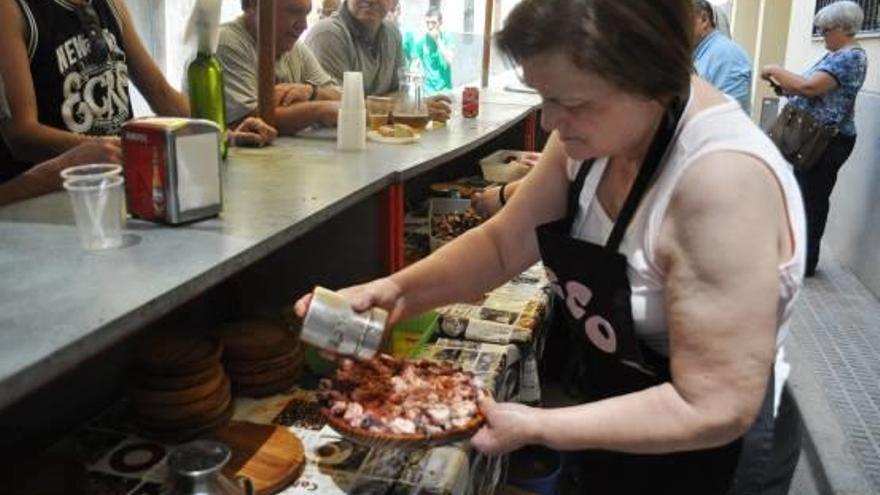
[60, 305]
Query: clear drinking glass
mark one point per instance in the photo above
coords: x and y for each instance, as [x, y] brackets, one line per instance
[96, 203]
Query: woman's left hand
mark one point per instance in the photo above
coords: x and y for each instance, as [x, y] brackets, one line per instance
[508, 427]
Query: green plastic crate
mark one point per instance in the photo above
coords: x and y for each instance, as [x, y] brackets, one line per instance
[408, 336]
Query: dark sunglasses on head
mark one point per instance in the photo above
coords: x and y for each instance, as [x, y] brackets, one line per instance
[99, 50]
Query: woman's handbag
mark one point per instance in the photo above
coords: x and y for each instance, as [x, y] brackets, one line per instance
[800, 137]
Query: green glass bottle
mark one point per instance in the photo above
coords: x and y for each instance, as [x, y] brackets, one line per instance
[205, 80]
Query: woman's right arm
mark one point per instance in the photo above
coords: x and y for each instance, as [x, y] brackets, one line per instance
[793, 84]
[26, 137]
[480, 259]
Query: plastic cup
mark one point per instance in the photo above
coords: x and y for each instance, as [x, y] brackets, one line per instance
[96, 202]
[92, 170]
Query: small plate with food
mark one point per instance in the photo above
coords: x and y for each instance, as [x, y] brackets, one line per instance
[394, 134]
[404, 404]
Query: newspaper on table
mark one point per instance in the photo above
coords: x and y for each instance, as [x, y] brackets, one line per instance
[511, 313]
[334, 465]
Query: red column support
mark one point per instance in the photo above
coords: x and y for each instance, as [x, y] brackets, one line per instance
[392, 227]
[530, 132]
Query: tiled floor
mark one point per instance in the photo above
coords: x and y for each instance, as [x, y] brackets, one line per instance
[835, 349]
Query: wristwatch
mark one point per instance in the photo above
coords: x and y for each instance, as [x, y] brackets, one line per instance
[314, 95]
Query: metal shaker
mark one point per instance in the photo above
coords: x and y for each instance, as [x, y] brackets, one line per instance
[332, 325]
[195, 470]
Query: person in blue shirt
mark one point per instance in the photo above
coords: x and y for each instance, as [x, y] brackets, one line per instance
[719, 60]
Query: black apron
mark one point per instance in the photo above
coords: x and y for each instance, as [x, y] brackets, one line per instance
[603, 357]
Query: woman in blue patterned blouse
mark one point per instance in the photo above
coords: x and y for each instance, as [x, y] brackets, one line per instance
[828, 92]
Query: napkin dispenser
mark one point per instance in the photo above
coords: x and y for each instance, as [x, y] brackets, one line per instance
[172, 169]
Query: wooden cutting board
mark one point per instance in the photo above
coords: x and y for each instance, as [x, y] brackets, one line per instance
[271, 456]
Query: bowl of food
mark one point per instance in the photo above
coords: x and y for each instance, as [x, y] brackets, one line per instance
[403, 404]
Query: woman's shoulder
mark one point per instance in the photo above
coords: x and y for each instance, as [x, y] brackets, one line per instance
[852, 57]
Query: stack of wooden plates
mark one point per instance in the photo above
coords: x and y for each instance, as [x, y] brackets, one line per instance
[262, 358]
[179, 388]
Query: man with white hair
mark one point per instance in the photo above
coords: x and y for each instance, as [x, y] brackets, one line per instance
[718, 59]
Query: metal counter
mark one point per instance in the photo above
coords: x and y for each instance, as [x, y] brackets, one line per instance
[60, 305]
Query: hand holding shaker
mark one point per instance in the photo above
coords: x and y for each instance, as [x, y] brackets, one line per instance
[351, 132]
[332, 325]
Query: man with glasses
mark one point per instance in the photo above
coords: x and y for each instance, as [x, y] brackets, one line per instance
[304, 94]
[718, 59]
[361, 38]
[67, 66]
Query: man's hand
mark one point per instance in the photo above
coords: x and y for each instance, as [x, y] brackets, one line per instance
[439, 108]
[45, 177]
[287, 94]
[328, 113]
[253, 132]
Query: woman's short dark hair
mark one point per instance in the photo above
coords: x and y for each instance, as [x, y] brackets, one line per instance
[643, 47]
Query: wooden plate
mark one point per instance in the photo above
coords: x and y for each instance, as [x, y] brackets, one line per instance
[256, 340]
[181, 434]
[271, 456]
[157, 382]
[375, 136]
[177, 354]
[142, 395]
[404, 441]
[267, 377]
[266, 389]
[194, 420]
[207, 406]
[257, 366]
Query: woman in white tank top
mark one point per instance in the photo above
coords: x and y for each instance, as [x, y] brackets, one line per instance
[673, 232]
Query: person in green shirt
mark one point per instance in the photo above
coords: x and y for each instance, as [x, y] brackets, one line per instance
[435, 50]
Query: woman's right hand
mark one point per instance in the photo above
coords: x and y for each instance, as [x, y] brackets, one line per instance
[383, 293]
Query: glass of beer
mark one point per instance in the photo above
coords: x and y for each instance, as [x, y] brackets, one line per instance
[378, 111]
[410, 106]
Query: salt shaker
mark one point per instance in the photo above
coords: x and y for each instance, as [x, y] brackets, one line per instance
[331, 324]
[195, 470]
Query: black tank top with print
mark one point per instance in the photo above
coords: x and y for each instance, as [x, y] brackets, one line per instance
[80, 83]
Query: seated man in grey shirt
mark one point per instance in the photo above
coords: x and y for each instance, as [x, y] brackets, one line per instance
[304, 93]
[359, 38]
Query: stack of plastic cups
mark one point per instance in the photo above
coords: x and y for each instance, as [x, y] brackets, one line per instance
[96, 194]
[352, 131]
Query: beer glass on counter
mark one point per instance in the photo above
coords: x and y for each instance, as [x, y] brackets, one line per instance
[378, 111]
[411, 107]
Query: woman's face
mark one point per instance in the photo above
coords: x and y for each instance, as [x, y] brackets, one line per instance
[593, 118]
[835, 38]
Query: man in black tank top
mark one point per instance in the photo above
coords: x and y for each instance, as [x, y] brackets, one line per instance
[66, 64]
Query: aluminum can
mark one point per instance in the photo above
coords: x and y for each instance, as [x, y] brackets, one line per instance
[332, 325]
[470, 102]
